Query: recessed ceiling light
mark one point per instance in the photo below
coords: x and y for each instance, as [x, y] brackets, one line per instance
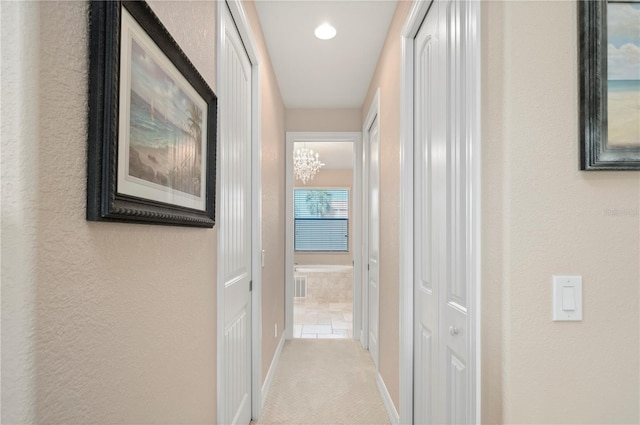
[325, 32]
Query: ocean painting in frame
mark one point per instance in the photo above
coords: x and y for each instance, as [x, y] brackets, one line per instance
[623, 73]
[162, 143]
[152, 121]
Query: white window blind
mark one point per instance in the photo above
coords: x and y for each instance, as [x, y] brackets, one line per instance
[321, 220]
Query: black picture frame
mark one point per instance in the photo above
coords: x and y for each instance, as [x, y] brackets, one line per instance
[140, 168]
[595, 151]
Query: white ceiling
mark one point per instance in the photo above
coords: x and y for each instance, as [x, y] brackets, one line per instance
[335, 155]
[315, 73]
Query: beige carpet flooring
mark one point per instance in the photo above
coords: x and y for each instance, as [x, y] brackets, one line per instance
[324, 382]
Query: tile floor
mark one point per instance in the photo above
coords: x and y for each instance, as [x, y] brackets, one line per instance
[313, 319]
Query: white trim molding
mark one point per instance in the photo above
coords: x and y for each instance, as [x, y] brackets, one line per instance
[351, 137]
[374, 111]
[472, 37]
[272, 369]
[244, 29]
[394, 418]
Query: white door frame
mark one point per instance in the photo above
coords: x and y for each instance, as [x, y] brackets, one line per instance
[472, 35]
[356, 242]
[246, 34]
[372, 114]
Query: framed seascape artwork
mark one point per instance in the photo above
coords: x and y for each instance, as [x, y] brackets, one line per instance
[609, 84]
[152, 123]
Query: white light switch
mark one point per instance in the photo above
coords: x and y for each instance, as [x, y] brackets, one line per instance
[567, 298]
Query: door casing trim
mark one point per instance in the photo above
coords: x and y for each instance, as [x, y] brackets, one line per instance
[372, 114]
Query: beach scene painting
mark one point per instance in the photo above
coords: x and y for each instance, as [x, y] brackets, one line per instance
[623, 73]
[162, 145]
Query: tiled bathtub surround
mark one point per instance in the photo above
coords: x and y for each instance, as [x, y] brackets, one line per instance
[327, 312]
[329, 287]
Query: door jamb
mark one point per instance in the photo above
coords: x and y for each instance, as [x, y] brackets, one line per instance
[472, 34]
[372, 114]
[246, 35]
[356, 138]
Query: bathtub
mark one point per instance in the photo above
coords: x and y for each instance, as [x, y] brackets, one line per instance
[322, 268]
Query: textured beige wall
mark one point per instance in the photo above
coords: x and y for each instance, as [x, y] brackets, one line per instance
[493, 185]
[542, 216]
[387, 78]
[273, 198]
[323, 120]
[330, 179]
[122, 320]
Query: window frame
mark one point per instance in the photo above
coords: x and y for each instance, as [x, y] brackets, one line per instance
[349, 191]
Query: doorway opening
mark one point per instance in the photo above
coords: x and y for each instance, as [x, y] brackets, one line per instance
[323, 252]
[323, 244]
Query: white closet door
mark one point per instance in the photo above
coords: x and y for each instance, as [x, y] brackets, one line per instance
[453, 307]
[441, 388]
[428, 135]
[234, 225]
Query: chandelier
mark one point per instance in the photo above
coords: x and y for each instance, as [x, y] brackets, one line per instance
[306, 164]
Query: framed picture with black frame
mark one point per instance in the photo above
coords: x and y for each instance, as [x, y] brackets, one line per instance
[152, 123]
[609, 48]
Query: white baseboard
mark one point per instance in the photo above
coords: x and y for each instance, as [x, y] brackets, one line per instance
[388, 403]
[272, 368]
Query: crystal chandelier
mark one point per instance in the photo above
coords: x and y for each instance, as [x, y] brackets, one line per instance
[306, 164]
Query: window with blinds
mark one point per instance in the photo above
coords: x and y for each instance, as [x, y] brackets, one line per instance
[321, 220]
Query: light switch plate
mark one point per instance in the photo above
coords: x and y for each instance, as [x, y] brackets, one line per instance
[567, 298]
